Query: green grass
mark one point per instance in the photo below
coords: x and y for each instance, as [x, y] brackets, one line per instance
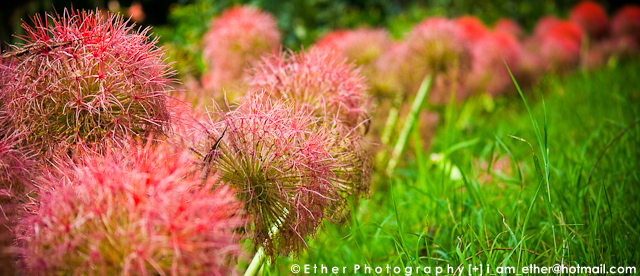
[538, 208]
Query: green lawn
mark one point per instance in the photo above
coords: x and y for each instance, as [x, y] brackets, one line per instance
[537, 205]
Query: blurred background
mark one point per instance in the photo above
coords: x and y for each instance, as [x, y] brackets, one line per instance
[302, 22]
[181, 24]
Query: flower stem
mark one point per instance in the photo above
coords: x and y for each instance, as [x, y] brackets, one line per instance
[408, 125]
[256, 263]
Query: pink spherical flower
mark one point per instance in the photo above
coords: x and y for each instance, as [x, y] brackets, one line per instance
[320, 79]
[626, 22]
[144, 211]
[489, 72]
[471, 29]
[509, 26]
[560, 46]
[435, 47]
[592, 18]
[365, 47]
[289, 168]
[544, 25]
[83, 78]
[240, 36]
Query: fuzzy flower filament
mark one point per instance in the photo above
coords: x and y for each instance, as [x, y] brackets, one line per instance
[141, 213]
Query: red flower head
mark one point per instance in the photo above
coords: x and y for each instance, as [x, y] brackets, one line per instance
[592, 18]
[471, 29]
[320, 79]
[626, 22]
[489, 72]
[83, 78]
[144, 212]
[509, 26]
[544, 25]
[236, 39]
[289, 168]
[435, 47]
[560, 46]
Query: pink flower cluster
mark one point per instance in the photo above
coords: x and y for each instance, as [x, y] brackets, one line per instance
[466, 58]
[76, 94]
[237, 38]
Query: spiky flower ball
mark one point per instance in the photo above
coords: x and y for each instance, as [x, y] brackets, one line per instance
[320, 79]
[626, 22]
[145, 213]
[592, 18]
[291, 169]
[236, 39]
[435, 47]
[365, 47]
[83, 78]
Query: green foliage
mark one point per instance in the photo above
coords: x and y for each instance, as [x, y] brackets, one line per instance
[538, 208]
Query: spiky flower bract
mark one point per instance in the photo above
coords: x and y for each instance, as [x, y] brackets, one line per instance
[82, 79]
[592, 18]
[291, 169]
[435, 47]
[320, 79]
[144, 211]
[236, 39]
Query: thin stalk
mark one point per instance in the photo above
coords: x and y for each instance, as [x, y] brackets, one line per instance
[392, 120]
[389, 126]
[256, 263]
[408, 125]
